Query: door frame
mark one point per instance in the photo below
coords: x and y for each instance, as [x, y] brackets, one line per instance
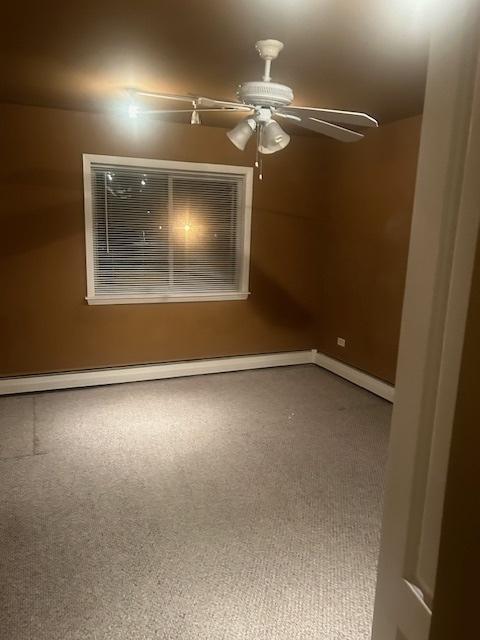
[443, 240]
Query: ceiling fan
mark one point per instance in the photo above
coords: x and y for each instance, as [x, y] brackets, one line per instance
[262, 101]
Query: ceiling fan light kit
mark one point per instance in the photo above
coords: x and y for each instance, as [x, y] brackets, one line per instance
[262, 101]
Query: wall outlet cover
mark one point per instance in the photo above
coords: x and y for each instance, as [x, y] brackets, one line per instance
[341, 342]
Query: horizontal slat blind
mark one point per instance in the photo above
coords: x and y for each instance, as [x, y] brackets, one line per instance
[161, 232]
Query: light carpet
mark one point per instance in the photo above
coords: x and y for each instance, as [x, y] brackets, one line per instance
[239, 506]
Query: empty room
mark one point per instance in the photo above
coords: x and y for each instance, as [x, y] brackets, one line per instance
[239, 319]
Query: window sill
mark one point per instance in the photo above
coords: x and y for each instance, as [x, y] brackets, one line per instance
[156, 299]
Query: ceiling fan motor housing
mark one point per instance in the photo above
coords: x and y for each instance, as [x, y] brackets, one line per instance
[265, 94]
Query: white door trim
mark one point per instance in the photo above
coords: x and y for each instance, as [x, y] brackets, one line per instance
[443, 240]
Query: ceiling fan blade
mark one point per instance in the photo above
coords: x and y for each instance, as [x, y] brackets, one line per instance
[168, 111]
[165, 96]
[354, 118]
[203, 101]
[327, 129]
[287, 116]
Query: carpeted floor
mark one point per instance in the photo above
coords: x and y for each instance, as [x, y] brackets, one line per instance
[239, 506]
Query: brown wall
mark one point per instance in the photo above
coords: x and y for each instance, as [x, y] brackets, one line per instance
[45, 324]
[362, 247]
[455, 610]
[326, 248]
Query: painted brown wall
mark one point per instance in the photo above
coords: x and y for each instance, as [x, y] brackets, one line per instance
[455, 610]
[45, 324]
[329, 242]
[363, 246]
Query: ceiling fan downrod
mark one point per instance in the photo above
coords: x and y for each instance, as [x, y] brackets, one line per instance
[268, 50]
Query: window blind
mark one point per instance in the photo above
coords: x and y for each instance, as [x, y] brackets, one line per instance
[157, 231]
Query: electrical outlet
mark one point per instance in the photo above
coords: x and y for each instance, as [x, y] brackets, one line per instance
[341, 342]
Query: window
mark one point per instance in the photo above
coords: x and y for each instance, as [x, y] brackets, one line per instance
[160, 231]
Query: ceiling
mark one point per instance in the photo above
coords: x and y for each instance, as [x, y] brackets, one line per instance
[367, 55]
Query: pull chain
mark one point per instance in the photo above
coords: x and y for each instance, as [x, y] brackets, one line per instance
[258, 160]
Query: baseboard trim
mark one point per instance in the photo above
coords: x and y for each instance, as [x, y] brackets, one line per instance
[95, 377]
[360, 378]
[91, 378]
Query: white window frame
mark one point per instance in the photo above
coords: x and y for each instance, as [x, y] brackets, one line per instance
[244, 257]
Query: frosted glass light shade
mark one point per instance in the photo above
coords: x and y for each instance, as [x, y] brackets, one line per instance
[241, 134]
[195, 119]
[272, 138]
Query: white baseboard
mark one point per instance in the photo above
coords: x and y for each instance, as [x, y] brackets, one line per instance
[69, 380]
[376, 386]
